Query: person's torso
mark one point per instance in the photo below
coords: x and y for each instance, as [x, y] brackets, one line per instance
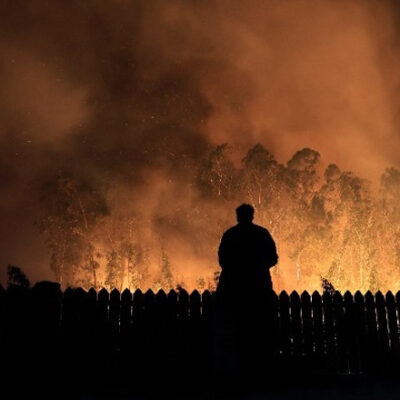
[246, 259]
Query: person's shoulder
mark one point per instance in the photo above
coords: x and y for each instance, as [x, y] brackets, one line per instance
[261, 230]
[231, 231]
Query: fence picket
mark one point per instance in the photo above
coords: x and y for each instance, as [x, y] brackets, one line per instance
[284, 328]
[330, 333]
[393, 329]
[160, 325]
[349, 332]
[126, 321]
[91, 312]
[318, 330]
[114, 317]
[361, 330]
[295, 324]
[382, 327]
[340, 333]
[102, 322]
[194, 305]
[306, 314]
[138, 327]
[183, 305]
[206, 305]
[372, 363]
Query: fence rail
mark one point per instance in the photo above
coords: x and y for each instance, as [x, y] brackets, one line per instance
[333, 333]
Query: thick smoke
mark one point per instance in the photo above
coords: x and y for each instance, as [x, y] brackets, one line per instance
[128, 96]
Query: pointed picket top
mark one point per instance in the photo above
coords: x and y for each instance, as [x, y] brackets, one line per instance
[92, 291]
[316, 297]
[126, 295]
[306, 302]
[358, 297]
[389, 296]
[115, 295]
[369, 296]
[284, 295]
[206, 298]
[326, 298]
[337, 297]
[397, 296]
[103, 295]
[294, 296]
[138, 298]
[149, 296]
[183, 295]
[92, 295]
[348, 295]
[183, 303]
[381, 310]
[380, 299]
[305, 294]
[348, 300]
[195, 296]
[195, 304]
[172, 296]
[161, 296]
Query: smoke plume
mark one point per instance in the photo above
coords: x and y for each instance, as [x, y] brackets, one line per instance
[129, 97]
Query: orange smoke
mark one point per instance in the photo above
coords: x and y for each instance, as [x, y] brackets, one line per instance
[130, 97]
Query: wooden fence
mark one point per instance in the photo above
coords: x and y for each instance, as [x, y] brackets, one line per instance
[324, 333]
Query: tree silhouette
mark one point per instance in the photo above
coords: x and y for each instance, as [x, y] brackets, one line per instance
[73, 210]
[16, 277]
[328, 223]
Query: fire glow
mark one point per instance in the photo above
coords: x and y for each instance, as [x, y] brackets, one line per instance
[327, 223]
[114, 118]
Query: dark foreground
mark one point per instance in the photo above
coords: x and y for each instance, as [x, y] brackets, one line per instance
[88, 345]
[311, 387]
[52, 382]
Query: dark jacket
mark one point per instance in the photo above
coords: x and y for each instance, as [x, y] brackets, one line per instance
[246, 253]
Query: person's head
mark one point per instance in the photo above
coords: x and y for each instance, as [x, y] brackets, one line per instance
[245, 214]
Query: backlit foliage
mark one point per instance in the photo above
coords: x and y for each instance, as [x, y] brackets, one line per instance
[326, 222]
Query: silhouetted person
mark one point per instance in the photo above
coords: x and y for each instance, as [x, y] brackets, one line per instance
[244, 325]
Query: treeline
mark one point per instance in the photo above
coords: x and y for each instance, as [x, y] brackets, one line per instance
[328, 224]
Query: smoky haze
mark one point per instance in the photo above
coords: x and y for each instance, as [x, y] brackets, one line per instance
[130, 95]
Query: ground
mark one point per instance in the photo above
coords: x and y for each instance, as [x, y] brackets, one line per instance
[322, 387]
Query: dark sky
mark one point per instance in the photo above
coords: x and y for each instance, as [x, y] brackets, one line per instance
[120, 92]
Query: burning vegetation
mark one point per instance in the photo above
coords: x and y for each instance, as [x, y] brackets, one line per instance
[326, 222]
[112, 120]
